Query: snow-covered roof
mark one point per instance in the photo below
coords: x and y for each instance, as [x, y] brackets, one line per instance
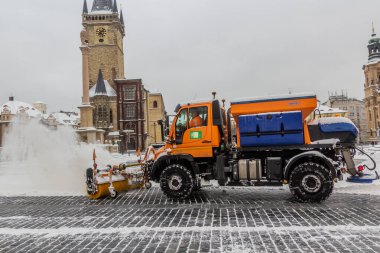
[101, 12]
[324, 109]
[273, 98]
[116, 133]
[110, 92]
[373, 61]
[17, 107]
[64, 119]
[39, 102]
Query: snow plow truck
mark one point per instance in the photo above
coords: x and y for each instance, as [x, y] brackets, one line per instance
[256, 142]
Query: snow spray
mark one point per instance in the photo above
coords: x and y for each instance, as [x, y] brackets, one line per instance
[37, 160]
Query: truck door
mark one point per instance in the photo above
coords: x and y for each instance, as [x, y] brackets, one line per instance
[195, 139]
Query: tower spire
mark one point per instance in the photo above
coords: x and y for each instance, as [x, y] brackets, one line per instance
[115, 10]
[85, 9]
[102, 5]
[100, 85]
[373, 30]
[121, 17]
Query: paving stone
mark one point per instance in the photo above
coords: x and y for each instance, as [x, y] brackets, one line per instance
[217, 219]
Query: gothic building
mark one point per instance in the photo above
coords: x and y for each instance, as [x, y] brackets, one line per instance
[372, 87]
[111, 105]
[133, 113]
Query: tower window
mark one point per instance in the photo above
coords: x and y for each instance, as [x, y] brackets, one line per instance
[101, 40]
[155, 104]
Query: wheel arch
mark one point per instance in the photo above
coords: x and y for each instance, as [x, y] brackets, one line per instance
[309, 156]
[162, 162]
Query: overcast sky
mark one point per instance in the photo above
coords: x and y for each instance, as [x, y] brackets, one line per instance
[188, 48]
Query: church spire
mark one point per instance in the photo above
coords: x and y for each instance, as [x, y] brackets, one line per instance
[121, 17]
[85, 10]
[100, 85]
[373, 30]
[102, 5]
[115, 10]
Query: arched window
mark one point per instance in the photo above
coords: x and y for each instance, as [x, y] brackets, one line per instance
[104, 113]
[111, 119]
[155, 104]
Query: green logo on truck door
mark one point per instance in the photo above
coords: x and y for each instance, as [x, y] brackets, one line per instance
[196, 135]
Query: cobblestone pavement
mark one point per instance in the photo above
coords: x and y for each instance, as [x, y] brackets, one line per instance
[214, 219]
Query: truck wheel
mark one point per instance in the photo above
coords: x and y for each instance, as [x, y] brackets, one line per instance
[222, 182]
[176, 182]
[311, 182]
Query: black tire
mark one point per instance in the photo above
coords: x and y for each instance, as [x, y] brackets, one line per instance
[176, 182]
[222, 182]
[197, 184]
[311, 182]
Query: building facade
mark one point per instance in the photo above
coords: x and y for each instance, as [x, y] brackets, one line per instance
[103, 32]
[157, 118]
[372, 88]
[12, 109]
[113, 108]
[355, 111]
[132, 114]
[103, 61]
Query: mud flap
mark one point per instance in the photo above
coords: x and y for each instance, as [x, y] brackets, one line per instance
[349, 161]
[220, 176]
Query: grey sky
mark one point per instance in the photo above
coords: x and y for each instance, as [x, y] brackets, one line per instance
[188, 48]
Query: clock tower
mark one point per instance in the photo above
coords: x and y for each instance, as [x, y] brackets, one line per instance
[103, 62]
[103, 33]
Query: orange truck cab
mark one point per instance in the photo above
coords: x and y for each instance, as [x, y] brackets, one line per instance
[257, 141]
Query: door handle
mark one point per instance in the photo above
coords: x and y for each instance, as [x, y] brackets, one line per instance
[206, 141]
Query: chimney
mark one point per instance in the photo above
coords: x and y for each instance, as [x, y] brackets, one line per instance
[11, 98]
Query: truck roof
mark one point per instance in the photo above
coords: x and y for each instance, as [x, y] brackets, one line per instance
[272, 98]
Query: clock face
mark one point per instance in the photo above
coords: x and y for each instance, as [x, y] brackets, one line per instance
[101, 32]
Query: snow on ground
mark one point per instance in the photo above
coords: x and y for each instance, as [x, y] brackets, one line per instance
[363, 188]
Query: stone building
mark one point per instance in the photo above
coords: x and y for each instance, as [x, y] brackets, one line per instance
[157, 116]
[355, 111]
[133, 116]
[12, 109]
[40, 106]
[103, 32]
[113, 108]
[103, 61]
[372, 87]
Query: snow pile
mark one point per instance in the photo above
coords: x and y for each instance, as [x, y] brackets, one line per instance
[36, 160]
